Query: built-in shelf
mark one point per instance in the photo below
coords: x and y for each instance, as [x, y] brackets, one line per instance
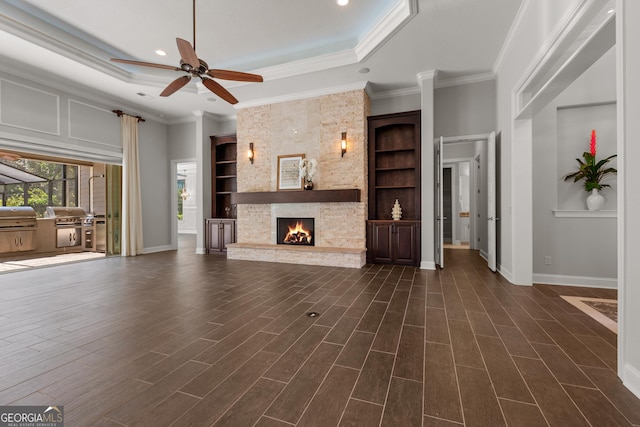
[584, 214]
[394, 150]
[311, 196]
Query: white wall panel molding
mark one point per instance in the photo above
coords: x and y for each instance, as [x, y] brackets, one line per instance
[28, 108]
[93, 124]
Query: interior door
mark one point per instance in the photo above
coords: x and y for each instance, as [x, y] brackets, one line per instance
[491, 201]
[439, 205]
[447, 205]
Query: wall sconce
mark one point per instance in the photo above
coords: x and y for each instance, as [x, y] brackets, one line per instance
[250, 152]
[343, 143]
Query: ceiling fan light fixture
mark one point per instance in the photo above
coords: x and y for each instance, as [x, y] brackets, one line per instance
[196, 67]
[342, 2]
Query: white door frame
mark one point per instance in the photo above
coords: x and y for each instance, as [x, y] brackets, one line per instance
[491, 202]
[174, 201]
[474, 202]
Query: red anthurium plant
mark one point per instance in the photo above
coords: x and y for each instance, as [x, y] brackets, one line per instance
[591, 171]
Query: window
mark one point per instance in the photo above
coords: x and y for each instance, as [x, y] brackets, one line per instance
[40, 184]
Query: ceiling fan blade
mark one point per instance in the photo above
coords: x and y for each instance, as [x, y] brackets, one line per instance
[175, 85]
[216, 88]
[187, 53]
[146, 64]
[235, 75]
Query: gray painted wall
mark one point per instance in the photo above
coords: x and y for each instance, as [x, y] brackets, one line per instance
[395, 104]
[155, 185]
[466, 109]
[38, 119]
[578, 247]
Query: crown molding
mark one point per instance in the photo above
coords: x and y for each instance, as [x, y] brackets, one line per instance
[395, 93]
[303, 95]
[399, 16]
[457, 81]
[21, 24]
[427, 75]
[304, 66]
[79, 93]
[508, 41]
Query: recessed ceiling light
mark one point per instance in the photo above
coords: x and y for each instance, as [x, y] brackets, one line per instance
[144, 95]
[161, 52]
[211, 99]
[342, 2]
[364, 70]
[611, 10]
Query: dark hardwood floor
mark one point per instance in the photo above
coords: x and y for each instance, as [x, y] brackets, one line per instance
[181, 339]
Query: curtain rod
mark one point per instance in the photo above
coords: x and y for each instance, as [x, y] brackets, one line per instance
[120, 112]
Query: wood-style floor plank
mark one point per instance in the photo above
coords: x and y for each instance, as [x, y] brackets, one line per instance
[201, 340]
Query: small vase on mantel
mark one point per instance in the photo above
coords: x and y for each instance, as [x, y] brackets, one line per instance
[308, 185]
[595, 200]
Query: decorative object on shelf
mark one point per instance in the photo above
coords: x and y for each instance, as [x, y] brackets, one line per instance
[343, 143]
[307, 171]
[250, 152]
[593, 173]
[595, 200]
[289, 174]
[396, 212]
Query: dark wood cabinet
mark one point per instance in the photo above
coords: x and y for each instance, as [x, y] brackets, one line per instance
[220, 230]
[394, 173]
[394, 164]
[393, 242]
[219, 233]
[223, 175]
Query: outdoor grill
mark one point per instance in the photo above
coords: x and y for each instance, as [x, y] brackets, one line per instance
[68, 222]
[17, 228]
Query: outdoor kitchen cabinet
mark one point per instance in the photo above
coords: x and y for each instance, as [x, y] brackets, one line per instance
[219, 233]
[16, 241]
[393, 242]
[17, 227]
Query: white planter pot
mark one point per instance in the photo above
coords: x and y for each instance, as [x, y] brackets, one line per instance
[595, 201]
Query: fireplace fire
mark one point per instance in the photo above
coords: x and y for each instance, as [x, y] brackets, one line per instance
[296, 231]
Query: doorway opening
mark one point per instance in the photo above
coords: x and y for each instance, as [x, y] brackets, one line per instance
[185, 202]
[464, 204]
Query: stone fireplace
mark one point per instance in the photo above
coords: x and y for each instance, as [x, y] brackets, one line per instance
[310, 127]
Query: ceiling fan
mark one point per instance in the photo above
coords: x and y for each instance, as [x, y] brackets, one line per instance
[196, 67]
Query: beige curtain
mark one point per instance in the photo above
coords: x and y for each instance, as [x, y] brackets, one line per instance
[131, 201]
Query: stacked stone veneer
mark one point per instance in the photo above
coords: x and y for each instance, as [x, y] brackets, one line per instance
[311, 127]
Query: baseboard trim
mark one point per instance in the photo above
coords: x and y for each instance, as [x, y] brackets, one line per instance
[582, 281]
[484, 255]
[427, 265]
[201, 251]
[157, 249]
[505, 273]
[631, 379]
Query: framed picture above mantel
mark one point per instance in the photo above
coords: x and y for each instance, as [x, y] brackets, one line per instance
[289, 172]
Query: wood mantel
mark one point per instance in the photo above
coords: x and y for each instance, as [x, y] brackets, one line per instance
[311, 196]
